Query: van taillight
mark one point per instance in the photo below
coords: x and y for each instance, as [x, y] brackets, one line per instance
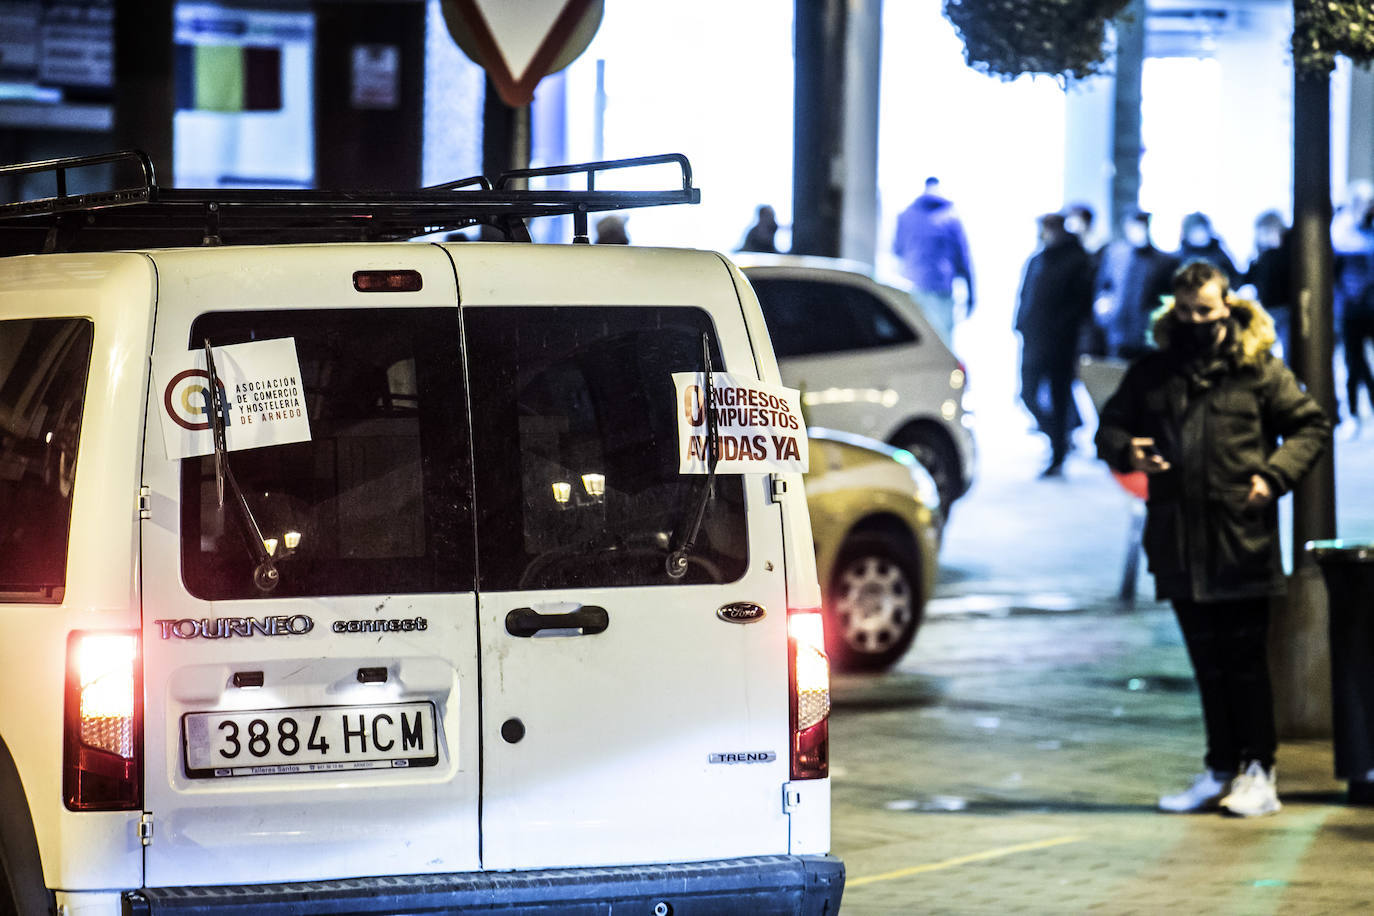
[387, 281]
[102, 761]
[809, 675]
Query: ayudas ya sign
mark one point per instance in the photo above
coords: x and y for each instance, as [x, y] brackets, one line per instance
[759, 427]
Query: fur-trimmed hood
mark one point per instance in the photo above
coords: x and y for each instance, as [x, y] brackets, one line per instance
[1254, 326]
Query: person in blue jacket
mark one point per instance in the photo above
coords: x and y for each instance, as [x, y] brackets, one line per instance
[934, 251]
[1132, 279]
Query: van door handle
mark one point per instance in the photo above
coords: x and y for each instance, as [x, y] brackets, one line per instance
[585, 621]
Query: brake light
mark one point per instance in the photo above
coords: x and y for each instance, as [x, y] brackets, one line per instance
[387, 281]
[102, 763]
[809, 675]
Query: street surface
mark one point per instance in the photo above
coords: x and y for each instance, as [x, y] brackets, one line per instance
[1011, 761]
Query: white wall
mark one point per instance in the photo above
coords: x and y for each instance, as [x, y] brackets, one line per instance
[1088, 113]
[1218, 133]
[711, 79]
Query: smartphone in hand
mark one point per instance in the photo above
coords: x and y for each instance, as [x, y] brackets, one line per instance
[1151, 460]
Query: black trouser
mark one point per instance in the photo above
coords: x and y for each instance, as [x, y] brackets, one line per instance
[1227, 642]
[1053, 370]
[1358, 326]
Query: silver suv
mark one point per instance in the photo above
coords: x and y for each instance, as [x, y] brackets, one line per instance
[867, 361]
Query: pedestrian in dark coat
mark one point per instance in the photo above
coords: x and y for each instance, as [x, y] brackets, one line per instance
[1354, 291]
[1198, 242]
[1132, 284]
[1223, 429]
[761, 235]
[1270, 276]
[1078, 219]
[1056, 300]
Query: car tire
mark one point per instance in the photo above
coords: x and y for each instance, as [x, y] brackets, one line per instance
[874, 605]
[937, 454]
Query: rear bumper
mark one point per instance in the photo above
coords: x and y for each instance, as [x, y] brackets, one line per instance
[803, 885]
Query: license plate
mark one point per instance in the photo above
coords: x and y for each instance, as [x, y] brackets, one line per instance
[309, 739]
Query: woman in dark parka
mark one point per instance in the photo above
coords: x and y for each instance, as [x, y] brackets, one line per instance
[1223, 429]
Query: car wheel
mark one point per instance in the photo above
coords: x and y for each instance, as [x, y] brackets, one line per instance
[937, 455]
[875, 605]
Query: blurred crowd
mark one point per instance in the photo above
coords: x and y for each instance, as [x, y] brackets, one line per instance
[1077, 300]
[1082, 303]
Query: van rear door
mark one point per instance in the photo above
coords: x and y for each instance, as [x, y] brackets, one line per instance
[325, 726]
[624, 720]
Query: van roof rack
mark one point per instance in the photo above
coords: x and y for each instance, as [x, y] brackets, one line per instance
[139, 214]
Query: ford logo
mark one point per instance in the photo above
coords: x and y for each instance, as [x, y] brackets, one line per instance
[741, 612]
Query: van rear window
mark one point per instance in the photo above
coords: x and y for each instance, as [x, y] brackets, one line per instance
[575, 432]
[378, 501]
[43, 367]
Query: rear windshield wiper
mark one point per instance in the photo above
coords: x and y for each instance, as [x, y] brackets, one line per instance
[265, 574]
[677, 559]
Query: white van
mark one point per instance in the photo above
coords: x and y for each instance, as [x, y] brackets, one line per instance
[360, 577]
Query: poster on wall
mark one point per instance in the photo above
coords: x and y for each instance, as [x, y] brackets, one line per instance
[376, 77]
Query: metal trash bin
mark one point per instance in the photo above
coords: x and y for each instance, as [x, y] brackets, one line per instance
[1348, 568]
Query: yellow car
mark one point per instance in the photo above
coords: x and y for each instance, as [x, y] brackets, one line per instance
[876, 522]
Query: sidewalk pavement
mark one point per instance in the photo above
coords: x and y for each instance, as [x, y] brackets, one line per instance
[1011, 761]
[1062, 543]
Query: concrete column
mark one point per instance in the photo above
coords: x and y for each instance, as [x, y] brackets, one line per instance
[818, 127]
[1089, 114]
[1126, 142]
[863, 63]
[1299, 641]
[505, 145]
[1361, 157]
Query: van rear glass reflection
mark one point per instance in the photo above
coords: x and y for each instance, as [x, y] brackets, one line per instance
[378, 501]
[44, 363]
[575, 435]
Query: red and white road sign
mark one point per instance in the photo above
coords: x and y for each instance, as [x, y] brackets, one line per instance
[519, 42]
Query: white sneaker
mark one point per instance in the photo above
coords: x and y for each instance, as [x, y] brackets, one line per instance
[1253, 793]
[1203, 795]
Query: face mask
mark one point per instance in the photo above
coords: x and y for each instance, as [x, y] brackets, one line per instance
[1197, 338]
[1199, 238]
